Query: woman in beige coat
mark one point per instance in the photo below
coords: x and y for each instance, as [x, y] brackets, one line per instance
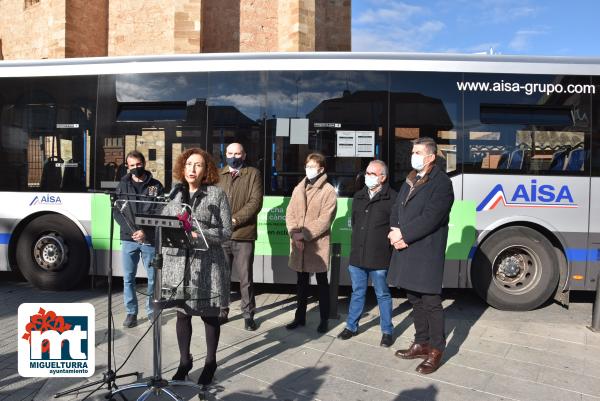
[308, 219]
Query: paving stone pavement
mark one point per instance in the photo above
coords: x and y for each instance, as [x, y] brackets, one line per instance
[546, 354]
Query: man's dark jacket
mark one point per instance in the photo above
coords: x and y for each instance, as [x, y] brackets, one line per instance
[370, 226]
[151, 188]
[422, 218]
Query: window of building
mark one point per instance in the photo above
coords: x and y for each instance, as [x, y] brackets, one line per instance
[30, 3]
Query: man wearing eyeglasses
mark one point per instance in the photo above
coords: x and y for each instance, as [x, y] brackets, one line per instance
[371, 251]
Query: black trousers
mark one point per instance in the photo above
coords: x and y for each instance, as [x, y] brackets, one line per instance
[428, 315]
[323, 284]
[240, 257]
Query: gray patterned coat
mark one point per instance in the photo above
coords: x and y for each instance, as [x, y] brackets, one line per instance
[209, 270]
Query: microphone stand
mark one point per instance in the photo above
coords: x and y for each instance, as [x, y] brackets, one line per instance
[109, 377]
[157, 385]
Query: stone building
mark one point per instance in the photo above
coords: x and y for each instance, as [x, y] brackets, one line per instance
[38, 29]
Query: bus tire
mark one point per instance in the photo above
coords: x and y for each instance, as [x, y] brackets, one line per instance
[515, 269]
[52, 254]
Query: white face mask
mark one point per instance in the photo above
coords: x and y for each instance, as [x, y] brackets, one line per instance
[418, 162]
[311, 172]
[371, 181]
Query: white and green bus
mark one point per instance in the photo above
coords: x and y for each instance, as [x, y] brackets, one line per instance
[519, 137]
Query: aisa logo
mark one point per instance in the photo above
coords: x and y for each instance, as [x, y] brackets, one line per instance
[56, 340]
[534, 195]
[46, 200]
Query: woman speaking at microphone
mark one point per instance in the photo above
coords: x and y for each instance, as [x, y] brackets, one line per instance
[207, 271]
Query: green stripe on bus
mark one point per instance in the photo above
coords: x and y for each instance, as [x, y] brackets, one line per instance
[273, 238]
[101, 224]
[462, 232]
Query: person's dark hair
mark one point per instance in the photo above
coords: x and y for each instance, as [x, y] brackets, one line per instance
[211, 176]
[317, 158]
[136, 154]
[429, 143]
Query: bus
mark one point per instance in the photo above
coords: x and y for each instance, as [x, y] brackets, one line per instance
[518, 136]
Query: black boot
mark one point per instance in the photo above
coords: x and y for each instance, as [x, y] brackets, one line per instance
[184, 369]
[206, 377]
[294, 324]
[323, 326]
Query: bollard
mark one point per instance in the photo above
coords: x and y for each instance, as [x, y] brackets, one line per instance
[595, 327]
[334, 284]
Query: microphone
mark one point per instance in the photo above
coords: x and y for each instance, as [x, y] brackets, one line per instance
[176, 189]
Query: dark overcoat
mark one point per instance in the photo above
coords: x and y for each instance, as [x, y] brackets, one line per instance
[370, 226]
[421, 212]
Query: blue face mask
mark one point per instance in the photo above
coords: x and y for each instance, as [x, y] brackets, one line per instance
[235, 162]
[371, 181]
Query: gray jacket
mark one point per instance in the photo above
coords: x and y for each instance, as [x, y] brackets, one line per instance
[208, 274]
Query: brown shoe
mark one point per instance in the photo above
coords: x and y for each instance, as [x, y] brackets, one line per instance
[432, 363]
[415, 351]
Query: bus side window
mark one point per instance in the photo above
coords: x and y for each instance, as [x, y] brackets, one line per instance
[51, 174]
[504, 160]
[559, 159]
[73, 179]
[517, 159]
[121, 171]
[576, 160]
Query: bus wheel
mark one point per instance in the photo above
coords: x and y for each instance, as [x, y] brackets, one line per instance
[52, 254]
[515, 269]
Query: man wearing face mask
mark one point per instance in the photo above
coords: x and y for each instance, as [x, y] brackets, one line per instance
[136, 185]
[419, 232]
[243, 186]
[371, 251]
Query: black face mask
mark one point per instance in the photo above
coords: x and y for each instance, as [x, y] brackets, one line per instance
[235, 162]
[138, 172]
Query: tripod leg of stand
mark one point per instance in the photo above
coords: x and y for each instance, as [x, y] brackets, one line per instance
[107, 379]
[109, 376]
[171, 394]
[130, 386]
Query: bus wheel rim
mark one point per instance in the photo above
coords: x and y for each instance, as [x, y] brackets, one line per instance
[516, 269]
[50, 252]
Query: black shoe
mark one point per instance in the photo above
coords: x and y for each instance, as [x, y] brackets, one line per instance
[386, 340]
[250, 324]
[295, 323]
[183, 370]
[206, 377]
[323, 326]
[346, 334]
[130, 321]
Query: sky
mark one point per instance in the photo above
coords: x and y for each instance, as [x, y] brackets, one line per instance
[510, 27]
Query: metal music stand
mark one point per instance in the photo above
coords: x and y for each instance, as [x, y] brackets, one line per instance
[175, 233]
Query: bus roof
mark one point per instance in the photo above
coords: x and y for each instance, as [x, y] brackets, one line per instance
[340, 61]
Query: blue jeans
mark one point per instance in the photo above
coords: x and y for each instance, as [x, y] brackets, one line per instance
[360, 279]
[131, 252]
